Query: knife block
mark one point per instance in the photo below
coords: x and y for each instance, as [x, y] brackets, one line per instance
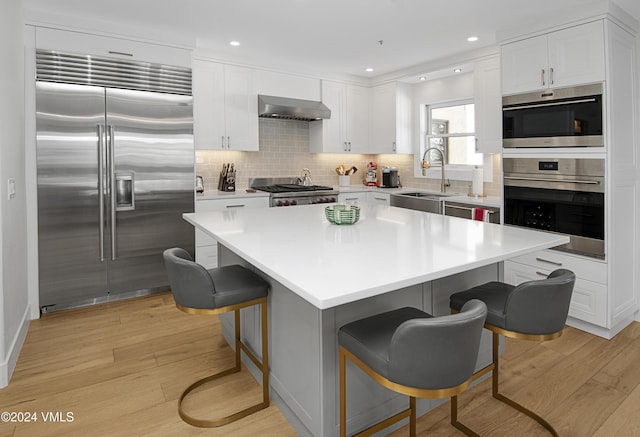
[227, 181]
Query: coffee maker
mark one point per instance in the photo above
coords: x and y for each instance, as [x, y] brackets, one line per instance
[390, 177]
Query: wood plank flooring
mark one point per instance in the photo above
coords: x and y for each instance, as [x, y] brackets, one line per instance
[119, 368]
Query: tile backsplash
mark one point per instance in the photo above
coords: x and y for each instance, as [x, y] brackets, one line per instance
[284, 151]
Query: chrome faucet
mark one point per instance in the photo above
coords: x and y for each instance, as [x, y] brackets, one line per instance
[426, 165]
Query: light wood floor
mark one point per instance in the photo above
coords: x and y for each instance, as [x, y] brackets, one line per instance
[120, 367]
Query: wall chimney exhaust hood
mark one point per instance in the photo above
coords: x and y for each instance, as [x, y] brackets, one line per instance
[291, 109]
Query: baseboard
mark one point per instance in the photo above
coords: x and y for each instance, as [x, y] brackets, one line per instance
[605, 333]
[9, 364]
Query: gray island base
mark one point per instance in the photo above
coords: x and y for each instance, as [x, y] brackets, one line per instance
[318, 284]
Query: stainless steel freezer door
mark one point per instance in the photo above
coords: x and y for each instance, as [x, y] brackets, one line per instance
[67, 120]
[150, 143]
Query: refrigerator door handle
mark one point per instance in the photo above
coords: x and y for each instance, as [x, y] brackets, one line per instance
[101, 186]
[112, 179]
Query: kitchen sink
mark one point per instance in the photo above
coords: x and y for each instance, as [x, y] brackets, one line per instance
[419, 201]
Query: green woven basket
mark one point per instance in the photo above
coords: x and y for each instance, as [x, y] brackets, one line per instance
[342, 214]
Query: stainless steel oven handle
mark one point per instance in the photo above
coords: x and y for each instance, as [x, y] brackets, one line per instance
[555, 263]
[544, 105]
[101, 186]
[560, 181]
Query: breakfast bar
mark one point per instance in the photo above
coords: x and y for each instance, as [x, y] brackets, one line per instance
[323, 276]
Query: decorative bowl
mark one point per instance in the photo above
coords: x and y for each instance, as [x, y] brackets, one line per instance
[342, 214]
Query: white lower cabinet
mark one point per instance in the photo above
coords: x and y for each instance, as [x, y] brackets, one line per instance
[379, 198]
[207, 247]
[589, 300]
[365, 196]
[353, 198]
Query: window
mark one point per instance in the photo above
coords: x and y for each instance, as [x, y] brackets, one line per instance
[452, 133]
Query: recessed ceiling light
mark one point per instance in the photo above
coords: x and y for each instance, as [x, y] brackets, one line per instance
[422, 78]
[457, 70]
[234, 43]
[472, 39]
[369, 70]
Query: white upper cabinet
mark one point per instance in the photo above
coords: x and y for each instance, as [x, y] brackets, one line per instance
[390, 127]
[110, 47]
[347, 131]
[566, 57]
[488, 106]
[225, 107]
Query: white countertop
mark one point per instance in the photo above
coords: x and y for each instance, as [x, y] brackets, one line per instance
[388, 249]
[480, 201]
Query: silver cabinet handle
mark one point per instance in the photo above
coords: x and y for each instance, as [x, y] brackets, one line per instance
[551, 75]
[555, 263]
[228, 142]
[542, 77]
[222, 141]
[349, 146]
[345, 146]
[112, 178]
[236, 206]
[101, 186]
[380, 198]
[393, 146]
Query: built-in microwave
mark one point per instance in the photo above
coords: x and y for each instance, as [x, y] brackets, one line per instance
[562, 117]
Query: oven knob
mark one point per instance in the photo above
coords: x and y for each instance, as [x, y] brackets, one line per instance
[279, 203]
[332, 199]
[286, 203]
[294, 202]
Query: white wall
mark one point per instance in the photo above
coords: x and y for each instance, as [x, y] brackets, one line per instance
[14, 316]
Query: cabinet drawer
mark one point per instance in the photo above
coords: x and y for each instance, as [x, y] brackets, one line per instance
[549, 260]
[207, 256]
[236, 202]
[588, 301]
[203, 239]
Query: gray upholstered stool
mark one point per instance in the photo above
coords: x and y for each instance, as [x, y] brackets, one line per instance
[534, 310]
[197, 290]
[413, 353]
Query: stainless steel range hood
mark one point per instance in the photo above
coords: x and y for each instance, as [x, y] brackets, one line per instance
[291, 109]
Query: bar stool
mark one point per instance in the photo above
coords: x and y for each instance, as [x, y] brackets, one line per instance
[197, 290]
[415, 354]
[534, 310]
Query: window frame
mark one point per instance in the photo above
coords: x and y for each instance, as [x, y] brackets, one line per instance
[463, 172]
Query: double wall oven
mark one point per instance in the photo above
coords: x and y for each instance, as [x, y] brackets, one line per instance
[564, 194]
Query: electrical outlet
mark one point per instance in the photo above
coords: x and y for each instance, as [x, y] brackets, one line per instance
[11, 189]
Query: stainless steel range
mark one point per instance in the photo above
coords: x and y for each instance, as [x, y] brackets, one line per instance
[288, 192]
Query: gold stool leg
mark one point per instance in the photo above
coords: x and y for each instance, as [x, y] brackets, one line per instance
[508, 401]
[454, 419]
[264, 366]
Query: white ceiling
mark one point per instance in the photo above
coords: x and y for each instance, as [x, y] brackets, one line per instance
[321, 36]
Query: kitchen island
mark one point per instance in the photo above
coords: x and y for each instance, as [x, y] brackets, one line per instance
[323, 276]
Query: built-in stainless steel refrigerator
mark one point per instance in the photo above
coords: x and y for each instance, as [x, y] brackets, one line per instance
[115, 173]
